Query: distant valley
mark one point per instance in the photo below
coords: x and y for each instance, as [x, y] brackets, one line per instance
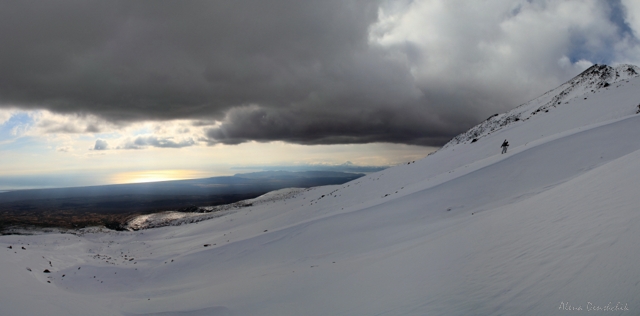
[113, 205]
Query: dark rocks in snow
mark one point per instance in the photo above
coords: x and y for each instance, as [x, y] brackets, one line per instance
[592, 79]
[474, 140]
[114, 225]
[10, 247]
[23, 248]
[492, 116]
[207, 245]
[493, 123]
[631, 71]
[46, 271]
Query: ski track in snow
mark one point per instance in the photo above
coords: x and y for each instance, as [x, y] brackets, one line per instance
[465, 231]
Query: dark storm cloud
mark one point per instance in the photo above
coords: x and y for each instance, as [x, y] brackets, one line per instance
[127, 60]
[355, 125]
[298, 71]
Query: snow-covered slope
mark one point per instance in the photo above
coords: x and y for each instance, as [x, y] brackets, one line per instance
[550, 226]
[596, 81]
[173, 218]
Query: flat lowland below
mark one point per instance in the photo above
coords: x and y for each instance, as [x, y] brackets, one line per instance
[112, 206]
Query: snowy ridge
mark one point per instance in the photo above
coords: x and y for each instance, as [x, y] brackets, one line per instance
[172, 218]
[588, 82]
[547, 228]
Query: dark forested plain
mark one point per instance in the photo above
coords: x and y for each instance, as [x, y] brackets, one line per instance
[113, 205]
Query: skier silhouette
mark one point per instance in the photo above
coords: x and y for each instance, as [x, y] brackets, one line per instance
[504, 146]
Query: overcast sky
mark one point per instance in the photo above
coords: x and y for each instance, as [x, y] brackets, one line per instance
[100, 84]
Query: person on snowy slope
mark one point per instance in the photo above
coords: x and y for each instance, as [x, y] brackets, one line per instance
[504, 146]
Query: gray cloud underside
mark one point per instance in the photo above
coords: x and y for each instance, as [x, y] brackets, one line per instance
[101, 145]
[141, 142]
[298, 71]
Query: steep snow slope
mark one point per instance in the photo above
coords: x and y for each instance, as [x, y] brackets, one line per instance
[596, 80]
[550, 225]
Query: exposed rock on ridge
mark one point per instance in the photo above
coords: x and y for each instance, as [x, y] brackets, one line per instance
[594, 78]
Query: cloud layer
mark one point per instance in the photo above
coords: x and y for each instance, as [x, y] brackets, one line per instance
[307, 72]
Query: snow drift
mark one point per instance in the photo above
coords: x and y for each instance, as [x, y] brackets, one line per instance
[550, 228]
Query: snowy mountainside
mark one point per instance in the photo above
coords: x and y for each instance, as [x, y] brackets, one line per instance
[172, 218]
[549, 226]
[595, 79]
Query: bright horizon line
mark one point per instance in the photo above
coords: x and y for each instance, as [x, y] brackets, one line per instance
[164, 175]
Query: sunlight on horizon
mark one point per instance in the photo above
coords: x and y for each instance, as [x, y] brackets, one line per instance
[156, 176]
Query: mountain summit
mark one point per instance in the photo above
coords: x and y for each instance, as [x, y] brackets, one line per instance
[589, 82]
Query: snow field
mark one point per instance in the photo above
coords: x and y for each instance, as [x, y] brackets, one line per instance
[465, 231]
